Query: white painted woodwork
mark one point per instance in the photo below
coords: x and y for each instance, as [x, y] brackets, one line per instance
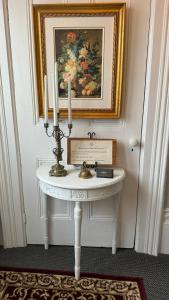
[36, 147]
[150, 206]
[11, 193]
[74, 189]
[144, 236]
[155, 132]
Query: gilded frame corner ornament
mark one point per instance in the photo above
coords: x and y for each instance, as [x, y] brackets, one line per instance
[117, 11]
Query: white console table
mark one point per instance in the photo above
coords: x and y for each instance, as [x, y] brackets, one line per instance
[75, 189]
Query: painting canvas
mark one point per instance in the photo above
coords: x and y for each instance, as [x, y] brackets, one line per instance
[79, 56]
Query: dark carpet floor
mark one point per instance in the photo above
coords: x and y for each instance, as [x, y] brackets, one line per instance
[153, 270]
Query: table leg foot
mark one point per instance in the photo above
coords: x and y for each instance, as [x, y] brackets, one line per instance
[46, 243]
[113, 247]
[77, 273]
[114, 241]
[77, 247]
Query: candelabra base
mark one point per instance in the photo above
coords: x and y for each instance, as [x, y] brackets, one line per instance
[57, 170]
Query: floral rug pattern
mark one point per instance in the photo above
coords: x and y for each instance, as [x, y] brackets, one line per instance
[30, 285]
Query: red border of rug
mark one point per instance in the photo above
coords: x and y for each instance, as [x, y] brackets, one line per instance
[83, 274]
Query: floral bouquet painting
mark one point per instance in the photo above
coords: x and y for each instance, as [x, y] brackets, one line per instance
[79, 56]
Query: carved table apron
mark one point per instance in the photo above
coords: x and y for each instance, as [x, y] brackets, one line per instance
[75, 189]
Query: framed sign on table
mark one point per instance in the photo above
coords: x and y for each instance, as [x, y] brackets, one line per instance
[100, 151]
[87, 41]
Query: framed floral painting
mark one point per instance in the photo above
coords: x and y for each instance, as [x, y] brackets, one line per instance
[87, 41]
[79, 55]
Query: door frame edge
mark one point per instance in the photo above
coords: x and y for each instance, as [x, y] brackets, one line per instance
[155, 139]
[11, 195]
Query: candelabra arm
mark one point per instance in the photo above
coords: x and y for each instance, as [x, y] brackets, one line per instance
[70, 131]
[46, 126]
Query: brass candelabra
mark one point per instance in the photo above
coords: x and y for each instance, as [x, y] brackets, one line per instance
[57, 169]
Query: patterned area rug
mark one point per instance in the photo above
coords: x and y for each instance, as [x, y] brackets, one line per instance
[52, 285]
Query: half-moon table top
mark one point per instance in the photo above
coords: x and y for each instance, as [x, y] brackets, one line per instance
[73, 181]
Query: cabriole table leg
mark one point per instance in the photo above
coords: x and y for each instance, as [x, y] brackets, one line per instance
[77, 247]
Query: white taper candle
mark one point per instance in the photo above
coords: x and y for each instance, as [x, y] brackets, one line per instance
[56, 87]
[55, 95]
[69, 103]
[45, 99]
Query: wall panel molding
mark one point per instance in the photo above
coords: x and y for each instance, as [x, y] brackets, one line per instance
[98, 217]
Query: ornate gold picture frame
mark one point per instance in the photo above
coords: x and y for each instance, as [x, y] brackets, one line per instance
[87, 41]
